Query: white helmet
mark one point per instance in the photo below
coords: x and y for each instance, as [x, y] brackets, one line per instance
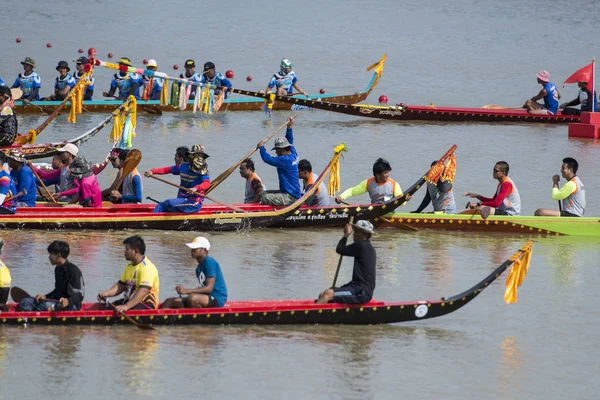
[152, 63]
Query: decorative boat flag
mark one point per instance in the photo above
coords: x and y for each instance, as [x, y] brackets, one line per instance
[584, 74]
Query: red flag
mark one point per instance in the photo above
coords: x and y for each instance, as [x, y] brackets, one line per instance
[584, 74]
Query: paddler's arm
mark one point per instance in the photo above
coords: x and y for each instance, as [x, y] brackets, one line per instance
[209, 285]
[570, 103]
[398, 192]
[135, 300]
[115, 290]
[564, 192]
[424, 203]
[267, 158]
[540, 95]
[289, 134]
[344, 249]
[113, 186]
[357, 190]
[137, 190]
[298, 88]
[498, 198]
[162, 171]
[75, 287]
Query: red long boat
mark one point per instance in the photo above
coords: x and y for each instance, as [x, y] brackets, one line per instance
[267, 312]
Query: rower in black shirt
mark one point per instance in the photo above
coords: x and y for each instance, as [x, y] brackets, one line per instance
[360, 289]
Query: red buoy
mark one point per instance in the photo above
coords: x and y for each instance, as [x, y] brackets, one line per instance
[48, 45]
[249, 78]
[145, 61]
[18, 40]
[322, 91]
[229, 74]
[91, 52]
[383, 98]
[110, 55]
[175, 66]
[80, 50]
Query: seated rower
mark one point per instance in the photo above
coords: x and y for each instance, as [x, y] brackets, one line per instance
[63, 84]
[5, 280]
[254, 185]
[22, 177]
[360, 289]
[571, 196]
[209, 75]
[285, 80]
[212, 292]
[549, 93]
[80, 64]
[583, 100]
[194, 177]
[8, 118]
[139, 282]
[506, 200]
[381, 187]
[86, 183]
[191, 75]
[126, 82]
[28, 81]
[181, 155]
[7, 189]
[60, 175]
[440, 195]
[151, 87]
[130, 190]
[286, 163]
[69, 287]
[320, 198]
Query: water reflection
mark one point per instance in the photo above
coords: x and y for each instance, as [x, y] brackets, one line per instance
[60, 346]
[510, 367]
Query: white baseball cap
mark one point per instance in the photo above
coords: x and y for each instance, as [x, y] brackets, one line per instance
[199, 243]
[151, 63]
[69, 148]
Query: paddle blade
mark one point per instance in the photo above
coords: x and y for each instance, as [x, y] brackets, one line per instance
[18, 294]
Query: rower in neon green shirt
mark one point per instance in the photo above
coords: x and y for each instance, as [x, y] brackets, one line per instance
[571, 196]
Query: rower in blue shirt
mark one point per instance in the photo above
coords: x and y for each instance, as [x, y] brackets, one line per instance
[28, 81]
[192, 75]
[286, 163]
[63, 84]
[209, 75]
[151, 86]
[22, 177]
[285, 81]
[80, 64]
[549, 93]
[126, 82]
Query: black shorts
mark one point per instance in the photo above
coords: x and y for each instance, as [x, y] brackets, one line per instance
[567, 214]
[500, 212]
[212, 302]
[350, 294]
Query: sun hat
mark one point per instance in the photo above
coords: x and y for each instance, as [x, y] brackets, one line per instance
[543, 75]
[199, 243]
[364, 226]
[16, 155]
[80, 166]
[125, 61]
[198, 150]
[152, 63]
[28, 60]
[69, 148]
[281, 143]
[63, 64]
[190, 64]
[81, 60]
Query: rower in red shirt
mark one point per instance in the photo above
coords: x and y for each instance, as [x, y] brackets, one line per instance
[506, 200]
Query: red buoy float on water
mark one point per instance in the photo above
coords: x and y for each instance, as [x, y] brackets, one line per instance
[249, 78]
[18, 40]
[91, 52]
[145, 61]
[48, 45]
[175, 66]
[383, 99]
[229, 74]
[80, 50]
[110, 55]
[322, 91]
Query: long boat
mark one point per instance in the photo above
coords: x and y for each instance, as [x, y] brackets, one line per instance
[210, 217]
[267, 312]
[230, 104]
[420, 113]
[521, 225]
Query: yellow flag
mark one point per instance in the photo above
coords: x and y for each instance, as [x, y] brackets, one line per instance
[516, 275]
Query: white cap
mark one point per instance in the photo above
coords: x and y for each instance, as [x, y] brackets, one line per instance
[199, 243]
[151, 63]
[69, 148]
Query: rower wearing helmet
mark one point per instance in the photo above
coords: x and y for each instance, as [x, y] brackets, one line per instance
[285, 79]
[209, 75]
[151, 86]
[126, 82]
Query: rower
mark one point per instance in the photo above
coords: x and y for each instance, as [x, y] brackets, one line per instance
[80, 64]
[86, 182]
[381, 187]
[583, 99]
[28, 81]
[139, 282]
[571, 196]
[320, 198]
[254, 185]
[69, 287]
[191, 75]
[7, 189]
[286, 163]
[506, 200]
[209, 75]
[285, 80]
[212, 291]
[66, 188]
[549, 93]
[126, 82]
[440, 195]
[151, 86]
[360, 289]
[22, 177]
[8, 118]
[5, 280]
[130, 191]
[194, 177]
[63, 84]
[181, 155]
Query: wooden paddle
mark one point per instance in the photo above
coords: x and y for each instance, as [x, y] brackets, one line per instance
[19, 294]
[43, 109]
[230, 170]
[234, 208]
[398, 224]
[131, 161]
[559, 202]
[21, 193]
[128, 318]
[497, 107]
[43, 185]
[148, 108]
[337, 270]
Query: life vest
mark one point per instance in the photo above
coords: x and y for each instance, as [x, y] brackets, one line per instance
[441, 201]
[321, 197]
[512, 202]
[128, 187]
[380, 192]
[250, 194]
[575, 203]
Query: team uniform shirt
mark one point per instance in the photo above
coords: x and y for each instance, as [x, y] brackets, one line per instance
[218, 80]
[140, 275]
[378, 192]
[551, 98]
[189, 179]
[8, 126]
[28, 84]
[69, 284]
[320, 197]
[5, 278]
[125, 84]
[287, 168]
[89, 191]
[61, 84]
[252, 185]
[7, 189]
[61, 177]
[132, 189]
[24, 179]
[572, 196]
[196, 77]
[157, 85]
[89, 90]
[210, 268]
[441, 201]
[505, 199]
[284, 82]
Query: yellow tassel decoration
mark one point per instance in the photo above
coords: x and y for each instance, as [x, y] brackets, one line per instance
[450, 169]
[334, 183]
[164, 94]
[517, 273]
[32, 136]
[76, 96]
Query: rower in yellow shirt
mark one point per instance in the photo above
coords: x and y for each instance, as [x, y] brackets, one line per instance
[381, 187]
[139, 281]
[5, 281]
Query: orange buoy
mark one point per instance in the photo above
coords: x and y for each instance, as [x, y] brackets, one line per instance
[48, 45]
[145, 61]
[18, 40]
[80, 50]
[249, 78]
[175, 66]
[229, 74]
[110, 55]
[322, 91]
[383, 98]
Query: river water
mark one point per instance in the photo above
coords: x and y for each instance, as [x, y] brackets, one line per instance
[466, 53]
